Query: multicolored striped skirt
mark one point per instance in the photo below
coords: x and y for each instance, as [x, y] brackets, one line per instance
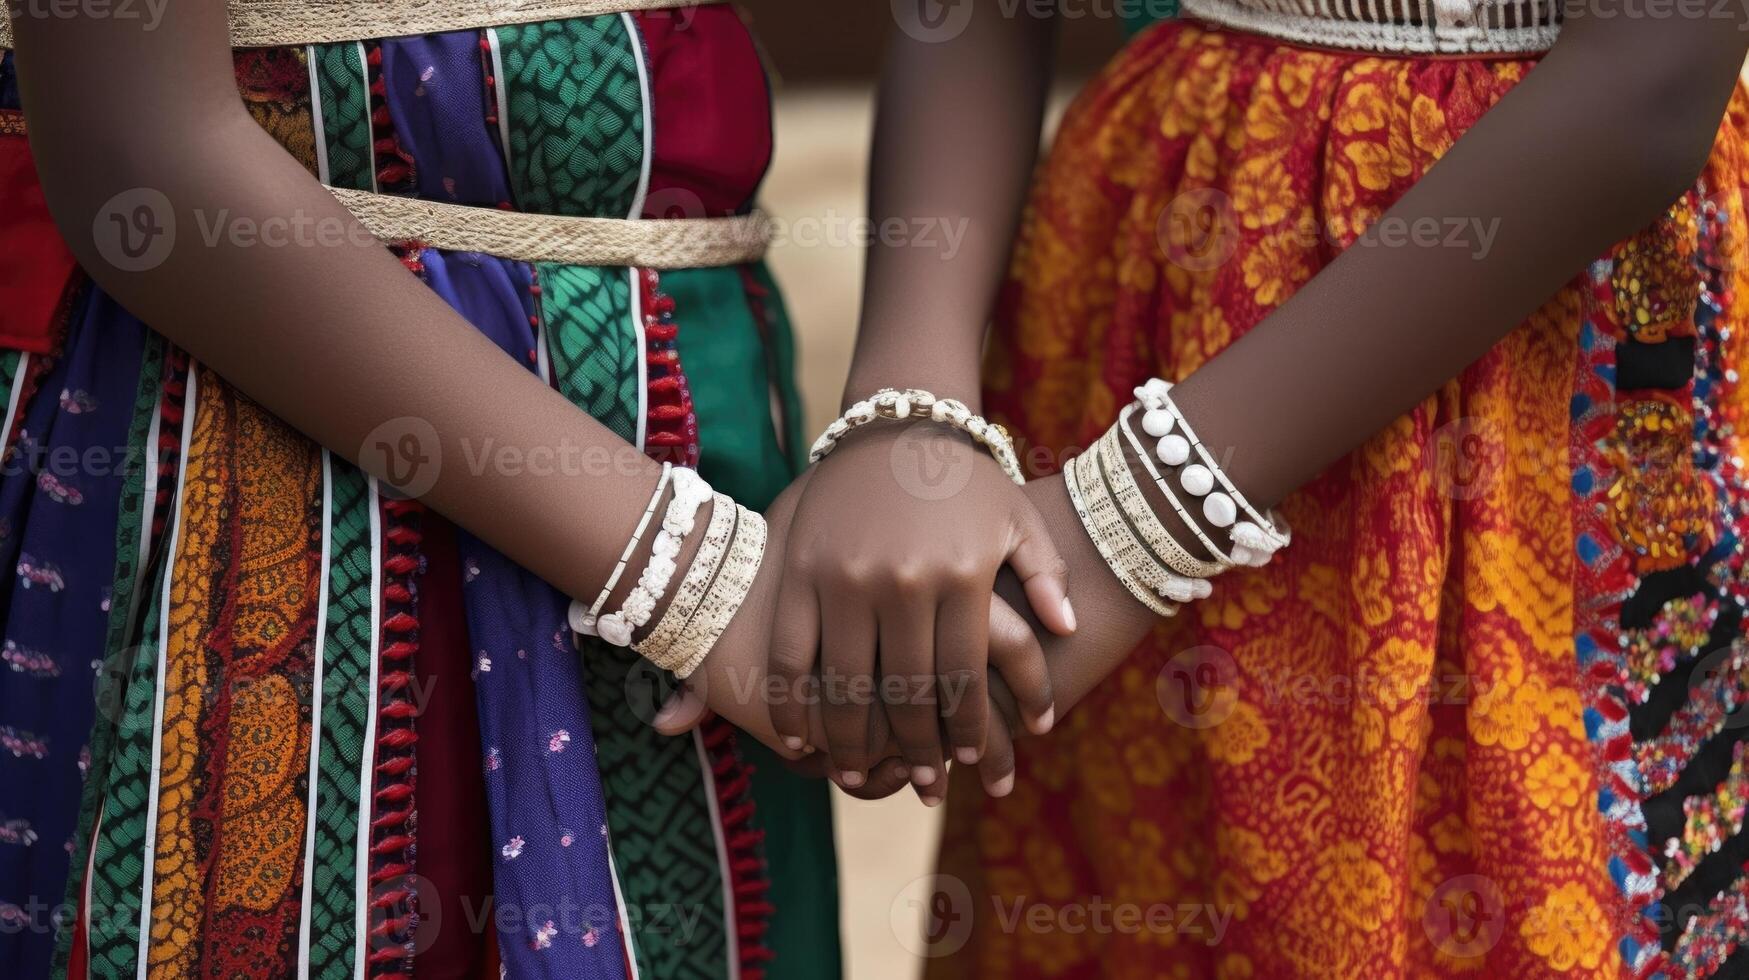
[1485, 717]
[333, 735]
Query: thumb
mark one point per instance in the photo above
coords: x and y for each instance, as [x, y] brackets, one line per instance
[681, 713]
[1042, 570]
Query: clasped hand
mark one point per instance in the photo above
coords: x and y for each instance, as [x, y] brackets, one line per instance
[884, 644]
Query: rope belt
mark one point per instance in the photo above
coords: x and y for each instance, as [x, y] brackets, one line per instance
[657, 243]
[293, 23]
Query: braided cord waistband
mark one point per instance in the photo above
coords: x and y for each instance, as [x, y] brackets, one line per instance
[654, 243]
[293, 23]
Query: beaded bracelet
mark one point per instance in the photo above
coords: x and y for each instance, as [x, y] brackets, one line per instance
[1262, 534]
[690, 493]
[1185, 575]
[1101, 534]
[1107, 505]
[734, 579]
[658, 647]
[1200, 568]
[894, 405]
[583, 618]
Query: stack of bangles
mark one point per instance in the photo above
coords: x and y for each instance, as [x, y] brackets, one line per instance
[709, 594]
[1158, 569]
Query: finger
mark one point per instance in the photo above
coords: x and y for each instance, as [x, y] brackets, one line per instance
[847, 652]
[962, 649]
[795, 648]
[886, 778]
[936, 792]
[1042, 570]
[681, 713]
[1016, 655]
[997, 770]
[908, 685]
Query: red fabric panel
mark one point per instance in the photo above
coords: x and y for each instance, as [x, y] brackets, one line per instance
[38, 266]
[453, 853]
[712, 109]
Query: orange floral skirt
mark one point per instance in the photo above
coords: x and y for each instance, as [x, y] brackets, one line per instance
[1478, 719]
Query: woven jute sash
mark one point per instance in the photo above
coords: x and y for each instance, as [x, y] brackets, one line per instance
[292, 23]
[656, 243]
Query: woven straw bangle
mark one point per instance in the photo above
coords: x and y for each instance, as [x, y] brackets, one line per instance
[295, 23]
[1141, 517]
[1102, 491]
[658, 647]
[649, 243]
[1141, 593]
[727, 592]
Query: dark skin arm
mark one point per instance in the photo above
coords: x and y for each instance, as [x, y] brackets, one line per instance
[1612, 127]
[331, 334]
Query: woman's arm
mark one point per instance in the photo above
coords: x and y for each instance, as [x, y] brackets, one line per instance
[1612, 127]
[332, 333]
[902, 531]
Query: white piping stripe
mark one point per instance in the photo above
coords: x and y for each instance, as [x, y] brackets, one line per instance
[498, 90]
[317, 696]
[369, 123]
[316, 121]
[369, 761]
[730, 933]
[148, 503]
[151, 838]
[625, 922]
[91, 869]
[637, 38]
[637, 305]
[13, 399]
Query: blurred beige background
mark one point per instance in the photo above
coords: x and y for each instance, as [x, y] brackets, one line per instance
[825, 55]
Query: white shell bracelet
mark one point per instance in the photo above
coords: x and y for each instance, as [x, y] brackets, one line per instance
[1256, 538]
[690, 493]
[895, 405]
[583, 617]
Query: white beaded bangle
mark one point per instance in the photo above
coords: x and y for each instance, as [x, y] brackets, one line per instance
[1262, 535]
[896, 405]
[583, 617]
[1223, 561]
[690, 493]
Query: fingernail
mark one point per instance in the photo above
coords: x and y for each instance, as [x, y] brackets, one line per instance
[1003, 786]
[1069, 613]
[1043, 723]
[904, 772]
[666, 713]
[923, 775]
[807, 750]
[793, 743]
[966, 754]
[931, 801]
[852, 780]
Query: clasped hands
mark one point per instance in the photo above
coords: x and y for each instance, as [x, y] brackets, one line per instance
[874, 647]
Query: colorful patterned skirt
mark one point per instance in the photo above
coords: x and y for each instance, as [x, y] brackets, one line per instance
[333, 735]
[1485, 717]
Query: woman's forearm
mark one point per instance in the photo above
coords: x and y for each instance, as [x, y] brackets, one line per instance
[956, 136]
[1603, 135]
[328, 331]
